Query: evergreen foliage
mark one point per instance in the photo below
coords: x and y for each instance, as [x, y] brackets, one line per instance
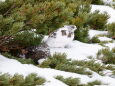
[97, 2]
[27, 38]
[43, 15]
[19, 80]
[96, 82]
[55, 60]
[110, 67]
[95, 40]
[47, 15]
[113, 72]
[76, 81]
[90, 64]
[73, 68]
[107, 56]
[69, 81]
[59, 62]
[111, 29]
[82, 34]
[33, 80]
[98, 20]
[113, 6]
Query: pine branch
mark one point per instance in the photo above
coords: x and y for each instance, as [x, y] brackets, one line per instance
[5, 39]
[13, 6]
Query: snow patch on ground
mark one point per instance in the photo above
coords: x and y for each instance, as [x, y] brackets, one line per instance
[78, 50]
[93, 33]
[2, 0]
[104, 39]
[108, 1]
[111, 45]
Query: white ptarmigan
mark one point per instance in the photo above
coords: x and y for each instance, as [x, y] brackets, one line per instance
[61, 37]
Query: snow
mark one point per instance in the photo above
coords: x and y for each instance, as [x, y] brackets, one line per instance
[108, 1]
[111, 45]
[103, 9]
[2, 0]
[107, 72]
[104, 39]
[93, 33]
[78, 50]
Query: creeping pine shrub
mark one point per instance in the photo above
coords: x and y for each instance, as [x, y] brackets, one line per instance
[27, 38]
[22, 40]
[114, 72]
[55, 60]
[98, 20]
[97, 2]
[73, 68]
[19, 80]
[89, 64]
[111, 29]
[113, 5]
[69, 81]
[110, 67]
[107, 56]
[96, 82]
[59, 62]
[43, 15]
[95, 40]
[76, 81]
[81, 34]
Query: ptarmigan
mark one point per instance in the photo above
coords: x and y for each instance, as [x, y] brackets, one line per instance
[61, 37]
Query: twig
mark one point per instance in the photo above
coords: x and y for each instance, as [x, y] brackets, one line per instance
[4, 39]
[13, 6]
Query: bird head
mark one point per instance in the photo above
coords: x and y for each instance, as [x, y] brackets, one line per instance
[71, 28]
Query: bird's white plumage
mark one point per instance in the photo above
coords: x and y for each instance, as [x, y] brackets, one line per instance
[61, 37]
